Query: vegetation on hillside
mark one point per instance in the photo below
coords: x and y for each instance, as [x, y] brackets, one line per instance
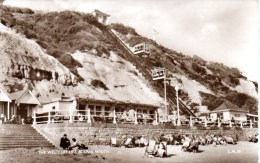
[197, 69]
[60, 33]
[63, 33]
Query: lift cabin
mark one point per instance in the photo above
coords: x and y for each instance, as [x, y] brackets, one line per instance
[158, 73]
[142, 49]
[161, 73]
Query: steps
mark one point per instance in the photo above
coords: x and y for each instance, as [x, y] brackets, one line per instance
[21, 136]
[147, 74]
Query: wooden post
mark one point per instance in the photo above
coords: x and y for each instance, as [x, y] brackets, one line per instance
[49, 117]
[191, 124]
[241, 124]
[71, 115]
[136, 118]
[8, 110]
[34, 117]
[156, 120]
[218, 123]
[89, 116]
[251, 125]
[86, 111]
[114, 116]
[206, 125]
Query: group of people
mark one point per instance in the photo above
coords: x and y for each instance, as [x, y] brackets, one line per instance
[253, 138]
[75, 145]
[157, 146]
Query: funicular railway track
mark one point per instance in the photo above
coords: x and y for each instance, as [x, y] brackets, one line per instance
[158, 86]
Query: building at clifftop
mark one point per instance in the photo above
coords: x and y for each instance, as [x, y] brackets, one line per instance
[101, 17]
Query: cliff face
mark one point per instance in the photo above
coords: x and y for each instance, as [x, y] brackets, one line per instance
[71, 53]
[106, 76]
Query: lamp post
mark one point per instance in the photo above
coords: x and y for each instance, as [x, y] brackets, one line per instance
[178, 111]
[161, 74]
[165, 94]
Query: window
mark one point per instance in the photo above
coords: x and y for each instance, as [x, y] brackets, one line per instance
[107, 110]
[98, 110]
[82, 109]
[92, 111]
[237, 115]
[117, 109]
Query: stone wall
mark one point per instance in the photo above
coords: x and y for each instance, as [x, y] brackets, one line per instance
[100, 133]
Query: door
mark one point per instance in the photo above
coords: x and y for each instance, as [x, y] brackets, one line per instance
[22, 111]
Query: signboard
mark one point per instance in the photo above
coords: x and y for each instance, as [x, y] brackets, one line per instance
[158, 73]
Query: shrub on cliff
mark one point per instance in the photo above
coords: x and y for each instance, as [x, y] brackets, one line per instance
[98, 84]
[123, 29]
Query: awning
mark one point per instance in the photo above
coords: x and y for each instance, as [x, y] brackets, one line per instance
[252, 115]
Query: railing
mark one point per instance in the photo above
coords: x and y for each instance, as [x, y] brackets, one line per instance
[221, 123]
[147, 74]
[88, 116]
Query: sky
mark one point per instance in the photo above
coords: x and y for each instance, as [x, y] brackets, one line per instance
[225, 31]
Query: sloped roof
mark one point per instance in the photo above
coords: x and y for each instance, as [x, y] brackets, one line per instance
[203, 114]
[4, 97]
[252, 115]
[139, 43]
[102, 13]
[17, 95]
[22, 97]
[60, 99]
[228, 106]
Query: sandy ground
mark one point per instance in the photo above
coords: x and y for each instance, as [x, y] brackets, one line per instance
[243, 152]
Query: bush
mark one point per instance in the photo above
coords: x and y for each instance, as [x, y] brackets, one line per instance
[239, 99]
[123, 29]
[234, 80]
[69, 61]
[98, 84]
[198, 68]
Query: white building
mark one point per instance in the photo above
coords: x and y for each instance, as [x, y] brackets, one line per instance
[23, 103]
[4, 105]
[101, 17]
[227, 110]
[66, 106]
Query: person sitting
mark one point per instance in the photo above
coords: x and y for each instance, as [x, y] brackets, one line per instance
[232, 121]
[119, 117]
[186, 143]
[75, 146]
[123, 117]
[57, 116]
[161, 151]
[139, 118]
[80, 117]
[13, 119]
[64, 142]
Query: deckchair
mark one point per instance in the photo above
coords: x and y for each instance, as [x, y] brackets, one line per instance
[165, 146]
[113, 142]
[162, 149]
[128, 143]
[150, 149]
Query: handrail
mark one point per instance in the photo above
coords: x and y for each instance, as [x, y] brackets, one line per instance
[147, 73]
